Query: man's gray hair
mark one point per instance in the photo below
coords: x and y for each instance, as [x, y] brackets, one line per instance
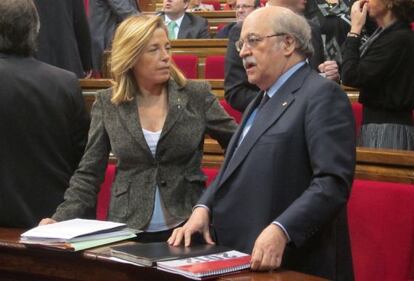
[19, 27]
[295, 25]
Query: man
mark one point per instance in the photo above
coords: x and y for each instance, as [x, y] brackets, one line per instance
[182, 25]
[243, 9]
[282, 191]
[238, 91]
[105, 15]
[64, 38]
[43, 122]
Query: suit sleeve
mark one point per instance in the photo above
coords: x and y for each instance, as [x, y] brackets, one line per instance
[82, 33]
[79, 122]
[122, 8]
[318, 56]
[203, 33]
[330, 139]
[238, 92]
[381, 59]
[219, 125]
[80, 197]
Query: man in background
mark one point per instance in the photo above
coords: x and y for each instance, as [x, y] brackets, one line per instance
[238, 91]
[104, 17]
[64, 37]
[180, 24]
[243, 9]
[43, 122]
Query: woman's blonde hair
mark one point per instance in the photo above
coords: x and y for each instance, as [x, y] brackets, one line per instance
[131, 37]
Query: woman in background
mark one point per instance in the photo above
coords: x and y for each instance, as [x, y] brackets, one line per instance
[154, 121]
[383, 69]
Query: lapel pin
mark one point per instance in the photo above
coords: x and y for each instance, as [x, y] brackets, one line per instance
[284, 103]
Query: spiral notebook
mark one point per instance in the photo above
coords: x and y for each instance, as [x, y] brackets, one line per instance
[208, 266]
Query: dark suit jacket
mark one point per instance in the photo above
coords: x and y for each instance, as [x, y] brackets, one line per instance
[64, 38]
[238, 92]
[105, 15]
[43, 125]
[295, 166]
[176, 168]
[192, 27]
[225, 31]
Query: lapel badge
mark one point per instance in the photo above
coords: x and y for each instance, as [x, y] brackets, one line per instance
[284, 103]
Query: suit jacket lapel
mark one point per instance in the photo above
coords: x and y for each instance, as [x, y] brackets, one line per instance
[177, 101]
[185, 24]
[128, 112]
[266, 117]
[236, 136]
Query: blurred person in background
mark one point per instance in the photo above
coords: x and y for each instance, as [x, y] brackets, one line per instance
[104, 17]
[64, 38]
[43, 122]
[383, 69]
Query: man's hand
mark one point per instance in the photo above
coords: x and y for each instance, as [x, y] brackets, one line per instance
[268, 249]
[47, 221]
[198, 222]
[330, 69]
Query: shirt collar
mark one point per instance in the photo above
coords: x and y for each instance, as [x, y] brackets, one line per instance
[177, 21]
[283, 78]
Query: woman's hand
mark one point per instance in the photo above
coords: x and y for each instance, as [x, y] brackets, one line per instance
[359, 12]
[47, 221]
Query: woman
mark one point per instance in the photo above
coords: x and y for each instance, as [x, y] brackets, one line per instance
[382, 68]
[154, 121]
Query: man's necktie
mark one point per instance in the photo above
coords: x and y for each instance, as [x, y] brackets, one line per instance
[265, 98]
[171, 30]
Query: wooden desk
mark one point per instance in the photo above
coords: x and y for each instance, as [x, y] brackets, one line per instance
[18, 262]
[90, 86]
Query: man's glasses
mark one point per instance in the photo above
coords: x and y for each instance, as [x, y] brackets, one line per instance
[243, 7]
[253, 40]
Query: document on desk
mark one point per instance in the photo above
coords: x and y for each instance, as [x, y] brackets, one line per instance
[77, 234]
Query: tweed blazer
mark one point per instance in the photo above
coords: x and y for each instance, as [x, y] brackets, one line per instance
[175, 169]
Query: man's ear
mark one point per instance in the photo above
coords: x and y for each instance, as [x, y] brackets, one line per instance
[186, 2]
[288, 45]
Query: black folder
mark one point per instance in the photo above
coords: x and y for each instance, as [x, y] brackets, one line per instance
[149, 254]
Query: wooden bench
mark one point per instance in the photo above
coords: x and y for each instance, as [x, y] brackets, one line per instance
[90, 86]
[217, 18]
[372, 164]
[199, 47]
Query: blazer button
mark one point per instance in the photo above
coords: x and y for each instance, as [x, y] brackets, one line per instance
[163, 183]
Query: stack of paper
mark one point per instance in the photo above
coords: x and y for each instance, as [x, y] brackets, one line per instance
[76, 234]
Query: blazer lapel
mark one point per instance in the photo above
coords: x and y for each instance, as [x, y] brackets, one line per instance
[266, 117]
[128, 113]
[177, 101]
